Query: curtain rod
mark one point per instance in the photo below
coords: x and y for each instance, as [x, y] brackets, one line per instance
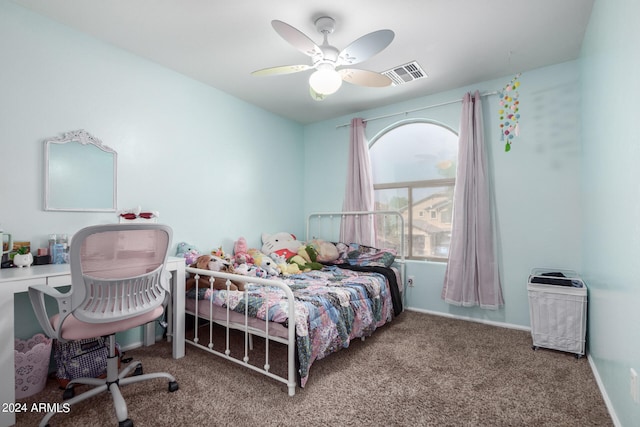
[495, 92]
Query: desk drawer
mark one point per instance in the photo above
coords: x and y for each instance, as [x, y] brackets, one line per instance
[21, 285]
[59, 280]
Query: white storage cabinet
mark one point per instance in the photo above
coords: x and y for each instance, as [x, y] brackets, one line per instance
[558, 310]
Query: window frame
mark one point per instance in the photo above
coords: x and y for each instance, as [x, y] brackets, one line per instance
[409, 186]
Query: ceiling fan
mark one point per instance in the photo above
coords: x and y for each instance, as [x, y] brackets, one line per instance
[330, 64]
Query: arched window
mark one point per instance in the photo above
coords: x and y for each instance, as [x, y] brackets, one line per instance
[414, 170]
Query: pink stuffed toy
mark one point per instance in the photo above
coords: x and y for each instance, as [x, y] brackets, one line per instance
[240, 252]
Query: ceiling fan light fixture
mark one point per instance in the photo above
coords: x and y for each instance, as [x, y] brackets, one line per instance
[325, 80]
[326, 58]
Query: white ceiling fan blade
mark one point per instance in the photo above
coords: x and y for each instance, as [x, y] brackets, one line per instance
[296, 38]
[284, 69]
[364, 77]
[365, 47]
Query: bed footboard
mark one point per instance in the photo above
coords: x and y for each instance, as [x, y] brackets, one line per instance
[211, 315]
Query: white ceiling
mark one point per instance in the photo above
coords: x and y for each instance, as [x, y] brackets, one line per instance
[457, 42]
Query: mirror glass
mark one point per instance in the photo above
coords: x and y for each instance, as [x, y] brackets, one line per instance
[80, 174]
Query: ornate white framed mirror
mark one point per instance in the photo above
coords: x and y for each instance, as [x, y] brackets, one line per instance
[80, 174]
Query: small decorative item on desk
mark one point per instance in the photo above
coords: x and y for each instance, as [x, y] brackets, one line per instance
[42, 257]
[23, 257]
[59, 254]
[136, 214]
[58, 249]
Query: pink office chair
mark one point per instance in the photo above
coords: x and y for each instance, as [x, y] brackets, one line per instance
[118, 281]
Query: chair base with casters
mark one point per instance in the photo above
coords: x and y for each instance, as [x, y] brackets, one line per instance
[115, 379]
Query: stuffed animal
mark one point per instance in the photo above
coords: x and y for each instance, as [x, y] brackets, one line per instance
[326, 251]
[287, 269]
[283, 244]
[266, 263]
[182, 248]
[219, 253]
[213, 263]
[254, 253]
[308, 253]
[240, 252]
[188, 252]
[283, 267]
[306, 259]
[278, 259]
[256, 271]
[242, 269]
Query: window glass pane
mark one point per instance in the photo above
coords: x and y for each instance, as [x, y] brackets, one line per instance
[396, 199]
[431, 222]
[414, 166]
[393, 199]
[419, 151]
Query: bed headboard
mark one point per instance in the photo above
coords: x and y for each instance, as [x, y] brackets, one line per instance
[389, 227]
[390, 233]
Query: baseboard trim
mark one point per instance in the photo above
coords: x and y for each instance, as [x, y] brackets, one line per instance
[131, 346]
[471, 319]
[603, 392]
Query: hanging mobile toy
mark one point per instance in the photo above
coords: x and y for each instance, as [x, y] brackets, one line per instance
[509, 112]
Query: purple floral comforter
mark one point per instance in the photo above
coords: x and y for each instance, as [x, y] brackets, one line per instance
[332, 306]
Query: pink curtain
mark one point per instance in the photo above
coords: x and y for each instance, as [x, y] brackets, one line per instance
[359, 191]
[472, 274]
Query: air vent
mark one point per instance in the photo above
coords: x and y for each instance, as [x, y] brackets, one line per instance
[405, 73]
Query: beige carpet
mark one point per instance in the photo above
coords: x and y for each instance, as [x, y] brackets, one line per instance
[420, 370]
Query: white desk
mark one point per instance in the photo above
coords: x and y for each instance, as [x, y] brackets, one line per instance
[14, 280]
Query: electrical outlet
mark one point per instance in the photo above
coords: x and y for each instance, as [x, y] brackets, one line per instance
[410, 280]
[635, 392]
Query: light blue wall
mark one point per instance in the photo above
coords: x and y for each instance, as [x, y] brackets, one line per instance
[611, 195]
[537, 184]
[208, 162]
[565, 194]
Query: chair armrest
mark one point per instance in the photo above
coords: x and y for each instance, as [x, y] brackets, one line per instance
[165, 282]
[37, 295]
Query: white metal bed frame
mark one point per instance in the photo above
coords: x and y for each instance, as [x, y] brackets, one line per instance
[327, 223]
